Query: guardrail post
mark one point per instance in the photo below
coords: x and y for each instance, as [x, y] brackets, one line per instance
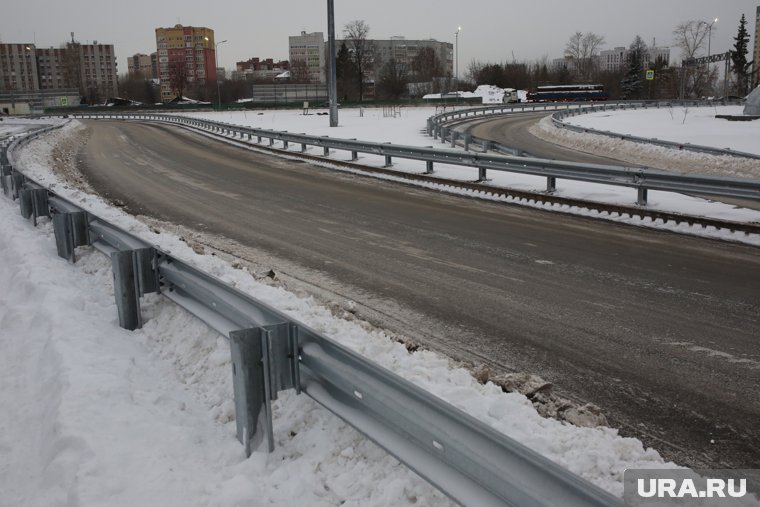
[444, 133]
[482, 175]
[271, 141]
[454, 136]
[429, 127]
[258, 139]
[354, 156]
[326, 152]
[303, 147]
[388, 161]
[34, 203]
[265, 360]
[429, 167]
[436, 131]
[551, 184]
[70, 231]
[641, 199]
[467, 141]
[486, 144]
[17, 181]
[135, 272]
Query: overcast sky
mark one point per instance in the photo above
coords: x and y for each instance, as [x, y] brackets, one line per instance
[492, 31]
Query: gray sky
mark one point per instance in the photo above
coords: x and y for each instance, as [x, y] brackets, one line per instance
[492, 31]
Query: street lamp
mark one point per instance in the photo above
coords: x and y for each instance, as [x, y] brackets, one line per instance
[218, 89]
[456, 45]
[709, 33]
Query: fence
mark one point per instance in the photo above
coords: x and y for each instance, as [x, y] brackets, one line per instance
[466, 459]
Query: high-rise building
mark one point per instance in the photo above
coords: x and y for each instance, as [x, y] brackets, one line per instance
[307, 55]
[139, 65]
[18, 68]
[614, 59]
[91, 68]
[404, 51]
[186, 57]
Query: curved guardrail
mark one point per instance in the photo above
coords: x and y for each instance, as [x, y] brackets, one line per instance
[642, 179]
[465, 458]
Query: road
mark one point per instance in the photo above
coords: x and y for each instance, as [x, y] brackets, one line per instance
[660, 331]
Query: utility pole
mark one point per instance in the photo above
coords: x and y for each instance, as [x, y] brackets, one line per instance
[332, 90]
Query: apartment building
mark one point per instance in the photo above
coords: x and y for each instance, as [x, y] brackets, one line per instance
[140, 65]
[89, 68]
[256, 69]
[186, 57]
[18, 68]
[405, 51]
[614, 59]
[309, 48]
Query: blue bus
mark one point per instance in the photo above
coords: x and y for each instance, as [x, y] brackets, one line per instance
[568, 93]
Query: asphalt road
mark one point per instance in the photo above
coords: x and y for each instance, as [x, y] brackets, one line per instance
[661, 331]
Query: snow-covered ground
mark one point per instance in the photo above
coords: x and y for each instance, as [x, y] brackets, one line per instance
[370, 124]
[695, 125]
[96, 415]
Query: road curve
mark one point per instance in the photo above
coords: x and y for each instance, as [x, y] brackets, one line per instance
[661, 331]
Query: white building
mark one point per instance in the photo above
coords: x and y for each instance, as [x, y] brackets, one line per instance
[309, 48]
[614, 59]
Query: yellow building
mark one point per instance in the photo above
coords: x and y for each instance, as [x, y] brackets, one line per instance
[186, 59]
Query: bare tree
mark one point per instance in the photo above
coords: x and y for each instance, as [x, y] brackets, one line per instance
[582, 48]
[361, 50]
[427, 65]
[299, 71]
[691, 37]
[179, 75]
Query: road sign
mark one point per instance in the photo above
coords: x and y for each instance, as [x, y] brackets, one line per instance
[64, 101]
[650, 75]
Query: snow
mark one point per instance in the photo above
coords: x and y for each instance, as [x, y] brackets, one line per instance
[695, 125]
[96, 415]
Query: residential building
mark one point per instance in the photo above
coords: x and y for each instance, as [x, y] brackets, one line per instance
[256, 69]
[154, 64]
[91, 68]
[309, 49]
[405, 51]
[186, 57]
[140, 65]
[614, 59]
[18, 68]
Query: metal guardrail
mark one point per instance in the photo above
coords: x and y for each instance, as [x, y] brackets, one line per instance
[437, 124]
[467, 460]
[642, 179]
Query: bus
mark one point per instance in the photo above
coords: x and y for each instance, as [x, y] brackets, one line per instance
[568, 93]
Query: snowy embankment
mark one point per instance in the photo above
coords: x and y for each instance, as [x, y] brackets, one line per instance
[370, 124]
[694, 125]
[96, 415]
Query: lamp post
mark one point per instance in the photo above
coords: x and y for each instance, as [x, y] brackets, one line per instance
[709, 34]
[456, 46]
[218, 89]
[332, 86]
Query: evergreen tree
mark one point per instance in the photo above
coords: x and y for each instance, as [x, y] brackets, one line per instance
[632, 83]
[739, 57]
